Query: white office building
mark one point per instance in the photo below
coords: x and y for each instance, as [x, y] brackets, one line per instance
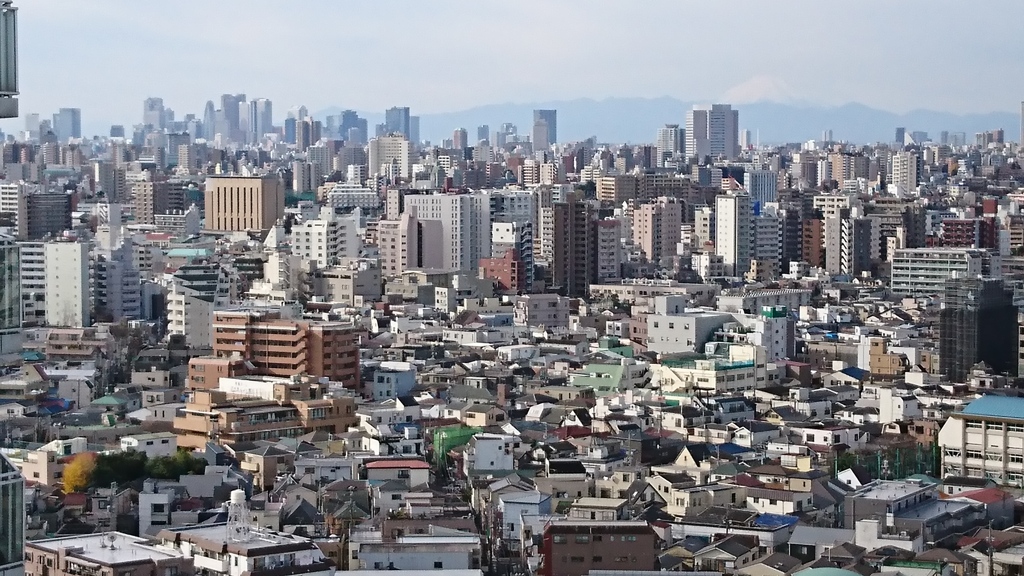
[670, 144]
[762, 185]
[713, 131]
[390, 154]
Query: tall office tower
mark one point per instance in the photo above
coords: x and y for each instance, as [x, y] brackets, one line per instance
[290, 129]
[573, 245]
[307, 133]
[1021, 124]
[657, 228]
[460, 139]
[390, 154]
[261, 118]
[483, 133]
[541, 136]
[905, 171]
[153, 113]
[229, 106]
[350, 121]
[67, 284]
[67, 123]
[901, 136]
[238, 203]
[414, 130]
[396, 121]
[243, 132]
[734, 230]
[978, 323]
[456, 228]
[550, 118]
[209, 121]
[713, 131]
[32, 125]
[669, 144]
[762, 185]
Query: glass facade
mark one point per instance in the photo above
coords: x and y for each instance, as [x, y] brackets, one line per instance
[10, 285]
[12, 515]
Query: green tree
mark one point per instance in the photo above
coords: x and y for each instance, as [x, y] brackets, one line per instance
[173, 467]
[119, 468]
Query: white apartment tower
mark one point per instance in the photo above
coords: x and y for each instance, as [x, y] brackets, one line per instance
[389, 152]
[67, 284]
[734, 231]
[327, 239]
[464, 223]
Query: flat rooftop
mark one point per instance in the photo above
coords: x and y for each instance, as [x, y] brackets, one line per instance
[96, 548]
[890, 489]
[215, 536]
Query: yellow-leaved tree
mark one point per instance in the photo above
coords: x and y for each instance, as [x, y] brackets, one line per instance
[78, 472]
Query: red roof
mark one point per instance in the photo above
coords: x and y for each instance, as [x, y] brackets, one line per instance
[75, 499]
[986, 495]
[388, 464]
[572, 432]
[748, 481]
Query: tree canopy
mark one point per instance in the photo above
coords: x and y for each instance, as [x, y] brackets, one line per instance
[98, 471]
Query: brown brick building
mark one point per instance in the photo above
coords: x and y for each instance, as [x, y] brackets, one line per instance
[256, 342]
[575, 547]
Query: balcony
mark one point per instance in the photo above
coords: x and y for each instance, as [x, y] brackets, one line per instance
[212, 564]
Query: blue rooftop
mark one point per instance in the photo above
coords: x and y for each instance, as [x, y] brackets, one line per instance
[997, 407]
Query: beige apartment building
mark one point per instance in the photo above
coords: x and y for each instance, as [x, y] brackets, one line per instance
[211, 416]
[240, 203]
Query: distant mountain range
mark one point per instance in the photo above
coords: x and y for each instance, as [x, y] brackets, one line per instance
[636, 120]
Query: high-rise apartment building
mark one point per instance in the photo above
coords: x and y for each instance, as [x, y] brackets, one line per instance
[158, 197]
[670, 143]
[550, 120]
[67, 284]
[10, 301]
[327, 239]
[276, 346]
[924, 271]
[390, 155]
[398, 241]
[463, 223]
[713, 131]
[734, 231]
[657, 228]
[240, 203]
[194, 292]
[573, 260]
[396, 121]
[905, 170]
[977, 323]
[518, 237]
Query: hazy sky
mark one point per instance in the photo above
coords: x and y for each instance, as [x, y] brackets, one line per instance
[106, 56]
